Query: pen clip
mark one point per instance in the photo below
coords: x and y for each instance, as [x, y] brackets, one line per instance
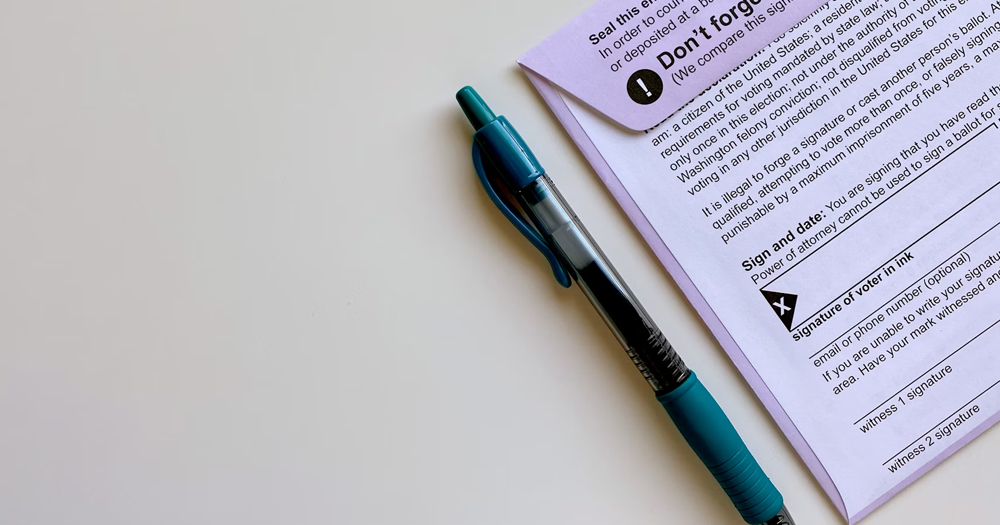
[526, 229]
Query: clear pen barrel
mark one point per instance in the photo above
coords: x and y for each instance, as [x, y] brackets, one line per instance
[645, 344]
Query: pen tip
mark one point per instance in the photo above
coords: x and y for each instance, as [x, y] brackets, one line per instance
[782, 518]
[475, 108]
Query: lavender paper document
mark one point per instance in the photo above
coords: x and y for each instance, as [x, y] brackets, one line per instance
[638, 62]
[831, 207]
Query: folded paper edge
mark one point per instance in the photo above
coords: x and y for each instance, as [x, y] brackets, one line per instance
[525, 61]
[576, 132]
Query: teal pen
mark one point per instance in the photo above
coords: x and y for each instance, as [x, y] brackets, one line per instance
[517, 184]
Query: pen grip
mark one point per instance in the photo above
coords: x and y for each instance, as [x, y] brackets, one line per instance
[710, 433]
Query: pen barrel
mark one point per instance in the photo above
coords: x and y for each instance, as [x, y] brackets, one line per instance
[710, 433]
[646, 346]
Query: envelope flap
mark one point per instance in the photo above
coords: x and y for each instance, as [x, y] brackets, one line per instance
[639, 61]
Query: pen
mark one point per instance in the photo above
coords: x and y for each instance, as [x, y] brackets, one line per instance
[517, 184]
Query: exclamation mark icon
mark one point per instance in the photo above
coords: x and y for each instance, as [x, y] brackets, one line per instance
[643, 86]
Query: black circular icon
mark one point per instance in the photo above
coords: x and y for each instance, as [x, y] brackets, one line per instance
[645, 87]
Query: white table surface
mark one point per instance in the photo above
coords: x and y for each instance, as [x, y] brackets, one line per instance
[248, 276]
